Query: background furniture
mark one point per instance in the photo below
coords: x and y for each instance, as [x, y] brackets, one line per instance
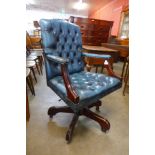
[123, 49]
[29, 81]
[94, 31]
[99, 50]
[65, 73]
[32, 65]
[125, 74]
[34, 48]
[37, 28]
[37, 62]
[37, 56]
[33, 42]
[27, 108]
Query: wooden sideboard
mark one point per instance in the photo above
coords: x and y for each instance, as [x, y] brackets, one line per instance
[93, 31]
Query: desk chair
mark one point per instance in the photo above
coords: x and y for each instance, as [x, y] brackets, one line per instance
[65, 74]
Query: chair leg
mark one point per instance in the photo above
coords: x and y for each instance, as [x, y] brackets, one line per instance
[31, 81]
[40, 64]
[96, 69]
[105, 125]
[34, 74]
[54, 110]
[37, 67]
[124, 64]
[71, 128]
[30, 84]
[88, 68]
[126, 78]
[102, 69]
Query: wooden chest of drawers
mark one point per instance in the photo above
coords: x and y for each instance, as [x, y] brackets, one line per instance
[93, 31]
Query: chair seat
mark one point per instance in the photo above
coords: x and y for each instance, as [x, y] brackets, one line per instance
[89, 86]
[30, 63]
[30, 58]
[36, 53]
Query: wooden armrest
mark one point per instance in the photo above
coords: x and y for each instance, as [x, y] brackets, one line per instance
[110, 71]
[72, 95]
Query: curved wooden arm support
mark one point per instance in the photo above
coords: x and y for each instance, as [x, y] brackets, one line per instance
[72, 95]
[110, 71]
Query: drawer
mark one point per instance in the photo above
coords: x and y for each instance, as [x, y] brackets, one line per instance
[85, 26]
[84, 39]
[102, 28]
[84, 33]
[86, 21]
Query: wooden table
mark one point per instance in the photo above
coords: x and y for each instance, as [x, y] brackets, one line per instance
[124, 52]
[99, 50]
[123, 49]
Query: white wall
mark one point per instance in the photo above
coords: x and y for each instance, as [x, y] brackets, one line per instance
[32, 15]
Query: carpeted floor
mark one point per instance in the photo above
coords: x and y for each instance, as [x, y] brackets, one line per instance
[47, 137]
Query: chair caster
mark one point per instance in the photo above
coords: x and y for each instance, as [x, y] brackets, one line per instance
[106, 127]
[104, 130]
[51, 111]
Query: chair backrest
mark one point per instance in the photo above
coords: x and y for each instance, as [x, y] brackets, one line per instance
[63, 39]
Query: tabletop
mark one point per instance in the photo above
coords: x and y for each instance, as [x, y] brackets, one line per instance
[98, 48]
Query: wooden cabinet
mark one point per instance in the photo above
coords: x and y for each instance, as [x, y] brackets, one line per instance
[93, 31]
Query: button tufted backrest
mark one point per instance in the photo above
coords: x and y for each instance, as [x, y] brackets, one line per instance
[63, 39]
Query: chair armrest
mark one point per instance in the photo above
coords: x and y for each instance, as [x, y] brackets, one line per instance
[107, 65]
[71, 94]
[110, 71]
[104, 56]
[57, 59]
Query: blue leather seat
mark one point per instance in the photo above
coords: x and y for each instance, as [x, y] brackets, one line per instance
[65, 74]
[89, 86]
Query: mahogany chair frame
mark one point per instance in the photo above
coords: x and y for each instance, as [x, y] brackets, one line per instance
[72, 95]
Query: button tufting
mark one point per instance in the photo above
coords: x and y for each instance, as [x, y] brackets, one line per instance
[67, 54]
[62, 47]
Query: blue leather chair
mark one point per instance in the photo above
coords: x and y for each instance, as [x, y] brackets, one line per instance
[65, 74]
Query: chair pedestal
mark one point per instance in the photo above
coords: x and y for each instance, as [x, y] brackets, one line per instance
[105, 125]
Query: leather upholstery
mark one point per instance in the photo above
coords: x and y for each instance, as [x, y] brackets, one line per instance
[57, 59]
[63, 39]
[105, 56]
[89, 86]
